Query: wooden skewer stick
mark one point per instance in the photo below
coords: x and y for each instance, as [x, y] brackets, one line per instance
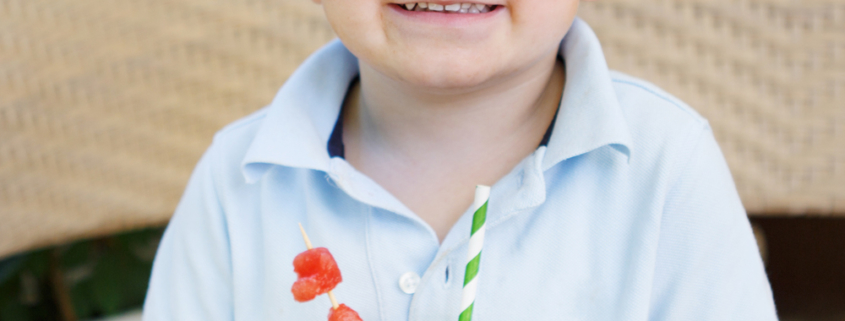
[308, 245]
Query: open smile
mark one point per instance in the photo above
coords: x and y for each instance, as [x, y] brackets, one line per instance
[478, 17]
[457, 7]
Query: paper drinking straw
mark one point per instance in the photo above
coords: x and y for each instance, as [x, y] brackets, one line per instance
[476, 241]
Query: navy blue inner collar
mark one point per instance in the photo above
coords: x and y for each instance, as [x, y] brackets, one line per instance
[335, 145]
[337, 149]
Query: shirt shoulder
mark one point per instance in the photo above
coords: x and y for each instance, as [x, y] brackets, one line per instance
[665, 131]
[649, 110]
[231, 144]
[244, 128]
[639, 96]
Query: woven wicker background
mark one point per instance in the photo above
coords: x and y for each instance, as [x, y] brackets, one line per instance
[769, 75]
[106, 105]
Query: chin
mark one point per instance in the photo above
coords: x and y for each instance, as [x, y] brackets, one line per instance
[439, 75]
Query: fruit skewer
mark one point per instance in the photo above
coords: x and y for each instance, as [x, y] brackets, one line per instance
[318, 273]
[309, 246]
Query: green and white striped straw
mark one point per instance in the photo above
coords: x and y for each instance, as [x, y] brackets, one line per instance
[476, 242]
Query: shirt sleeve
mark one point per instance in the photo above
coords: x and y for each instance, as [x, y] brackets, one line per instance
[707, 265]
[192, 273]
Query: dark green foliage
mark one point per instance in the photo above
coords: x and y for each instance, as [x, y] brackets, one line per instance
[104, 277]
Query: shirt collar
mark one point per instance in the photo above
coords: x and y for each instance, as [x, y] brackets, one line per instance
[301, 117]
[589, 116]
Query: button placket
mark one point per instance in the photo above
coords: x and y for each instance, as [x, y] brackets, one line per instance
[448, 273]
[435, 293]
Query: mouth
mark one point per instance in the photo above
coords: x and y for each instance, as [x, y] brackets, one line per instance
[452, 8]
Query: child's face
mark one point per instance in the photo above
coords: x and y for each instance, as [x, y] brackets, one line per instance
[446, 49]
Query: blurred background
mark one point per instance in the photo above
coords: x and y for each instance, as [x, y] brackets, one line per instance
[106, 106]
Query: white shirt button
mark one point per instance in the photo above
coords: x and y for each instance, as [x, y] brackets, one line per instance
[408, 282]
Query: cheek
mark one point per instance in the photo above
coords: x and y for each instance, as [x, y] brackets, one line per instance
[357, 23]
[543, 22]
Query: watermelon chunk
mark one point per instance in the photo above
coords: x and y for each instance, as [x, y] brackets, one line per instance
[318, 273]
[343, 313]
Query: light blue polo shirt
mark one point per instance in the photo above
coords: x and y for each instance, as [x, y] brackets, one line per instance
[628, 213]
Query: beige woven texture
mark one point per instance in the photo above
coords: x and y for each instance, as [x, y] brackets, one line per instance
[106, 105]
[769, 75]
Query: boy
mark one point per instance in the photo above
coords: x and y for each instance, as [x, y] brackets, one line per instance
[610, 199]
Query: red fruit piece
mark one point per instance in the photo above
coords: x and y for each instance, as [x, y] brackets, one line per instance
[318, 273]
[343, 313]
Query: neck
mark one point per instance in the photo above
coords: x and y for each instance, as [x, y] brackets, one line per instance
[429, 148]
[421, 124]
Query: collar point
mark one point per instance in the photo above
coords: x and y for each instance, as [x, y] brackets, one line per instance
[252, 172]
[623, 148]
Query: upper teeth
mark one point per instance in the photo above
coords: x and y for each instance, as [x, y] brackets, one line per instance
[454, 7]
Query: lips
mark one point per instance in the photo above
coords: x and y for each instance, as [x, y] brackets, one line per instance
[472, 20]
[457, 7]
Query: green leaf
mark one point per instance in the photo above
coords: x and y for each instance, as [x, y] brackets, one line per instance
[105, 284]
[80, 296]
[77, 254]
[38, 263]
